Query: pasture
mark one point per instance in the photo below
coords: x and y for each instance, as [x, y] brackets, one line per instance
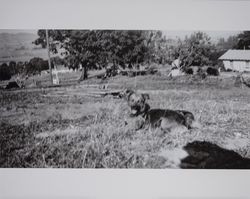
[64, 127]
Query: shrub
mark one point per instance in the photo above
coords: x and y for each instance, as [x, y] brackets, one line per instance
[213, 71]
[5, 72]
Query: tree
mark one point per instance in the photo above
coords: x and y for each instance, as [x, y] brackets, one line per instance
[55, 37]
[5, 73]
[224, 45]
[158, 47]
[243, 40]
[13, 67]
[78, 46]
[20, 67]
[127, 46]
[35, 66]
[82, 49]
[195, 50]
[221, 47]
[88, 48]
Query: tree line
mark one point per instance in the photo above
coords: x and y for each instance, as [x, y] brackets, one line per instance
[96, 49]
[32, 67]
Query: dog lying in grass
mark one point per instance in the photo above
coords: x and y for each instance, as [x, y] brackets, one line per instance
[164, 119]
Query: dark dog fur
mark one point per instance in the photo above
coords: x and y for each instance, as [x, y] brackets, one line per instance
[157, 118]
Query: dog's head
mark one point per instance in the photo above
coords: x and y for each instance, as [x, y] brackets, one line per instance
[126, 94]
[136, 102]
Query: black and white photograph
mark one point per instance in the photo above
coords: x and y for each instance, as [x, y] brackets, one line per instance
[124, 99]
[111, 98]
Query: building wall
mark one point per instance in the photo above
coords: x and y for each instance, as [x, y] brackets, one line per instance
[237, 65]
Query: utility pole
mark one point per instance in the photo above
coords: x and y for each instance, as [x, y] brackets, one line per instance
[50, 68]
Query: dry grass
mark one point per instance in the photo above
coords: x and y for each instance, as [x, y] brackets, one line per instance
[60, 127]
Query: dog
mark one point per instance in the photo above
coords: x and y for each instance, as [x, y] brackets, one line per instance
[136, 101]
[165, 119]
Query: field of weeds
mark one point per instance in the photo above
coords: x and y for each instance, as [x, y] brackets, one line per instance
[66, 128]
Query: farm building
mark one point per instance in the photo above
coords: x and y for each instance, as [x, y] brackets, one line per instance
[236, 60]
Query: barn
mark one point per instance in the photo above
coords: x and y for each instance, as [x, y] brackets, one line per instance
[236, 60]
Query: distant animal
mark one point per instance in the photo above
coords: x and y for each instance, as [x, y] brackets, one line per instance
[164, 119]
[206, 155]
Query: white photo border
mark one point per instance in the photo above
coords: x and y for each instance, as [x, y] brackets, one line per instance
[228, 15]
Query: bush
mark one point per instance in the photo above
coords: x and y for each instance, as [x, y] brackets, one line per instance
[32, 67]
[189, 71]
[13, 67]
[5, 72]
[36, 65]
[57, 60]
[213, 71]
[20, 67]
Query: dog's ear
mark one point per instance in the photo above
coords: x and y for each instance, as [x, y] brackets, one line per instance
[129, 91]
[145, 96]
[126, 93]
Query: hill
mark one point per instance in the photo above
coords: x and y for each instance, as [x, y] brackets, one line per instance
[19, 47]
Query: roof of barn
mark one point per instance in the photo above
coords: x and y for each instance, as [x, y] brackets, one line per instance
[241, 55]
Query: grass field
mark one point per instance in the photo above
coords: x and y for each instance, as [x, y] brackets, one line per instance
[66, 128]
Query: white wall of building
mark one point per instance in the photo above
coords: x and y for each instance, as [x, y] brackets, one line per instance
[237, 65]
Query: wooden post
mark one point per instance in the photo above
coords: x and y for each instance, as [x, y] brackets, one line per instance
[50, 68]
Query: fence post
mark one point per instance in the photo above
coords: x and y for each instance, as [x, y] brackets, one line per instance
[50, 68]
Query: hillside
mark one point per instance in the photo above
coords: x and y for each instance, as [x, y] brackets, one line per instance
[19, 47]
